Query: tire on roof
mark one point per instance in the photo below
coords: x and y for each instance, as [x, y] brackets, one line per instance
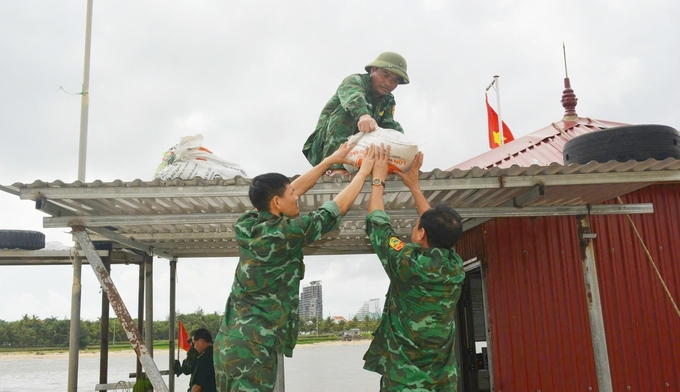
[21, 239]
[622, 144]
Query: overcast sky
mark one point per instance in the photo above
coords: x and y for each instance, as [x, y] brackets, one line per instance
[252, 77]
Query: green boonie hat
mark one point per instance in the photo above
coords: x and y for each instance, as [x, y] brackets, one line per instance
[393, 62]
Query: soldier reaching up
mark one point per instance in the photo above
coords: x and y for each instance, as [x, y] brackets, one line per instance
[413, 347]
[261, 315]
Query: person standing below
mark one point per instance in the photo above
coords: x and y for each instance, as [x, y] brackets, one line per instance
[413, 347]
[362, 103]
[203, 377]
[188, 364]
[261, 315]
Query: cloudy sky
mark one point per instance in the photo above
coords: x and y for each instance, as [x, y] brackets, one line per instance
[252, 76]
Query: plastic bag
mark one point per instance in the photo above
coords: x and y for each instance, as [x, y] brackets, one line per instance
[402, 152]
[189, 159]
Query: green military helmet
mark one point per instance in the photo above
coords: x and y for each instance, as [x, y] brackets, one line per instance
[393, 62]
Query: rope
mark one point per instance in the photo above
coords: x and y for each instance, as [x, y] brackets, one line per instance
[651, 260]
[563, 132]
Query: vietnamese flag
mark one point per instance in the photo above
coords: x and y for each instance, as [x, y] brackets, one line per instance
[183, 338]
[494, 134]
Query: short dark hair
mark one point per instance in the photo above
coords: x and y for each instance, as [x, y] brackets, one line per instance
[204, 334]
[442, 225]
[264, 187]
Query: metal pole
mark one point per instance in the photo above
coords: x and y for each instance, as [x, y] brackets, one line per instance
[77, 264]
[148, 330]
[171, 327]
[280, 384]
[74, 331]
[140, 312]
[119, 307]
[104, 333]
[85, 96]
[598, 336]
[498, 104]
[489, 349]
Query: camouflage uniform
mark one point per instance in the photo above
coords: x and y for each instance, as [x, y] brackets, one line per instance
[413, 347]
[261, 315]
[338, 119]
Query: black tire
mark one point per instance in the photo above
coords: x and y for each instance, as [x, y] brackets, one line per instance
[21, 239]
[622, 144]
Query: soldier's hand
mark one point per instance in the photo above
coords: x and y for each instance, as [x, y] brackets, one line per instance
[177, 368]
[366, 123]
[380, 167]
[340, 155]
[410, 178]
[368, 160]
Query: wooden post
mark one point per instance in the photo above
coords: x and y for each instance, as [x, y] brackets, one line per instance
[597, 333]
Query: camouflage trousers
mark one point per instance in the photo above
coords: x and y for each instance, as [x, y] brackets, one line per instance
[242, 365]
[387, 385]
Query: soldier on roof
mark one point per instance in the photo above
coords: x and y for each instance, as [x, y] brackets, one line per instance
[362, 103]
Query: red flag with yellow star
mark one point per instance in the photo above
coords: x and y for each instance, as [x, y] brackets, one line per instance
[494, 134]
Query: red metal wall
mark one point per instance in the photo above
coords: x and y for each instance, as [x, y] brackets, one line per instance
[537, 308]
[642, 326]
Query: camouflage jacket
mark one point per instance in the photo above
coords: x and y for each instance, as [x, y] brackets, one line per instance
[414, 343]
[264, 299]
[338, 119]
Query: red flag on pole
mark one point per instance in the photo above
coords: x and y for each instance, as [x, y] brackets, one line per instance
[183, 338]
[494, 134]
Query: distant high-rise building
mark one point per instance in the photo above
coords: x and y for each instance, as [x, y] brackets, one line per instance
[370, 308]
[311, 301]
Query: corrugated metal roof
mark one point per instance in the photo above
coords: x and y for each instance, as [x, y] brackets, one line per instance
[542, 147]
[195, 218]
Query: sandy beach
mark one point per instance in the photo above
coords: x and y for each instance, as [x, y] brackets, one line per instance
[9, 356]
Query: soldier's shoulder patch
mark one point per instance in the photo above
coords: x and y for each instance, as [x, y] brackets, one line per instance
[395, 243]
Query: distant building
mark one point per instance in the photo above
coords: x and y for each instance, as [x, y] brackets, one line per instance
[311, 301]
[337, 319]
[370, 308]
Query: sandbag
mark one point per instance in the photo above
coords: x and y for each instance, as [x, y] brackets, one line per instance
[402, 151]
[189, 159]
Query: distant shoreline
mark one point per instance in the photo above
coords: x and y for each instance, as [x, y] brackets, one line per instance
[37, 354]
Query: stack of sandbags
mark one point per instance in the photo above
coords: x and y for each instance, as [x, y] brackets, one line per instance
[189, 159]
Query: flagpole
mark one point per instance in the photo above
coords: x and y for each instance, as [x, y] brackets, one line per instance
[498, 105]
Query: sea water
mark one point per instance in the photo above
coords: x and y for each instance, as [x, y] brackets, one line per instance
[313, 368]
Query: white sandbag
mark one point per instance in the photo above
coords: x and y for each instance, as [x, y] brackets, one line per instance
[189, 159]
[402, 151]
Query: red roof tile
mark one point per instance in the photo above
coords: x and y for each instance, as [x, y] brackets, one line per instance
[542, 147]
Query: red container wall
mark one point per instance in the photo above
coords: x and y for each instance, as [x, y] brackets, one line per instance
[471, 244]
[537, 307]
[642, 326]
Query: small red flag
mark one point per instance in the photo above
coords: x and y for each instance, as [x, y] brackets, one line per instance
[494, 134]
[183, 338]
